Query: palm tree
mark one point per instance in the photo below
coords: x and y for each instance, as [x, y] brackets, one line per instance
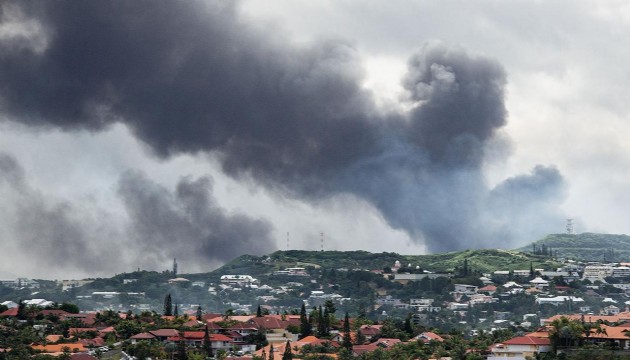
[565, 332]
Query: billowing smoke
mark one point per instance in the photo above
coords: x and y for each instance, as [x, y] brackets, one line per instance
[50, 230]
[188, 223]
[195, 77]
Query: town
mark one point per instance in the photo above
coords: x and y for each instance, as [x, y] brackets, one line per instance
[283, 309]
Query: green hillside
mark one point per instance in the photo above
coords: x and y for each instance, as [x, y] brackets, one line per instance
[480, 260]
[586, 246]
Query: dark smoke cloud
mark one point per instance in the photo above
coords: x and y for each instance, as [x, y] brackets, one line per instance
[195, 77]
[54, 233]
[188, 223]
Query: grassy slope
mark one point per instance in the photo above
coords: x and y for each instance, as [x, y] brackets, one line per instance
[483, 260]
[586, 246]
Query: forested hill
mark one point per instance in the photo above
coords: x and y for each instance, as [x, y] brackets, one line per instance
[479, 260]
[585, 246]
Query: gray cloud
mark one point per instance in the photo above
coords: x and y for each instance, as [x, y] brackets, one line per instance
[48, 230]
[188, 223]
[195, 77]
[71, 237]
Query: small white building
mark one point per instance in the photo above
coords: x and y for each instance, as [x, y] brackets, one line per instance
[238, 279]
[597, 272]
[539, 283]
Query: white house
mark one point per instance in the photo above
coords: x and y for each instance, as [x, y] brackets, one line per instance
[557, 300]
[539, 283]
[520, 348]
[238, 279]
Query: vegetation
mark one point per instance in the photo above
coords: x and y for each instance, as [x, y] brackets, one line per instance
[585, 246]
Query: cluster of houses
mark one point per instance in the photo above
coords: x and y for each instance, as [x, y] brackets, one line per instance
[612, 331]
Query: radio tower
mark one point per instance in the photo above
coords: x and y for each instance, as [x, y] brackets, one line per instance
[287, 240]
[174, 267]
[570, 226]
[321, 238]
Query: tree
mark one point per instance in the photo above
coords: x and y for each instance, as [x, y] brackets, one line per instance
[181, 351]
[288, 355]
[271, 352]
[199, 314]
[259, 312]
[71, 308]
[21, 313]
[168, 305]
[565, 332]
[347, 340]
[207, 345]
[306, 328]
[321, 324]
[175, 311]
[361, 339]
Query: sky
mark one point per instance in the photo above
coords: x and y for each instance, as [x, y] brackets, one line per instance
[132, 133]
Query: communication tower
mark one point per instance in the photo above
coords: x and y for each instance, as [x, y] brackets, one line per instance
[321, 239]
[570, 226]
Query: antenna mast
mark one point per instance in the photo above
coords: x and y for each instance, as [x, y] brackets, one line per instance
[321, 235]
[570, 226]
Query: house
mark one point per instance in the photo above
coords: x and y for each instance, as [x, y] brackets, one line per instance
[488, 289]
[465, 289]
[539, 283]
[9, 304]
[520, 348]
[164, 334]
[429, 336]
[142, 336]
[597, 272]
[12, 312]
[557, 300]
[610, 310]
[370, 331]
[59, 348]
[238, 279]
[617, 335]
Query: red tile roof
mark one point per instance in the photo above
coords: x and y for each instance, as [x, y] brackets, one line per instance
[193, 335]
[143, 336]
[10, 312]
[528, 340]
[164, 332]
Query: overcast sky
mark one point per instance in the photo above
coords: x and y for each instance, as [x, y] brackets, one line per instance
[131, 134]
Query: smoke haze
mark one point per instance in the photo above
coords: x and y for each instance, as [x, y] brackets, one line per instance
[194, 77]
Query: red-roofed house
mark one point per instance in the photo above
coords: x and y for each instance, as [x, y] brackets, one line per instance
[193, 337]
[142, 336]
[370, 331]
[428, 336]
[488, 289]
[242, 328]
[11, 312]
[80, 331]
[163, 334]
[519, 348]
[268, 323]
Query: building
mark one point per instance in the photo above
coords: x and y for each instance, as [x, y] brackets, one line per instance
[520, 348]
[621, 272]
[597, 272]
[238, 279]
[405, 278]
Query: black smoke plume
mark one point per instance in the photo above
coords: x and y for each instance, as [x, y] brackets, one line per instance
[188, 223]
[190, 76]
